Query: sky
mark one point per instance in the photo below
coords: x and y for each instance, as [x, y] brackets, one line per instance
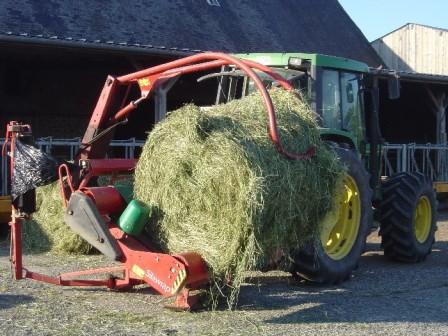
[376, 18]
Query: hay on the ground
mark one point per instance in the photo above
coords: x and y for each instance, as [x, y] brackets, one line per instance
[218, 186]
[47, 230]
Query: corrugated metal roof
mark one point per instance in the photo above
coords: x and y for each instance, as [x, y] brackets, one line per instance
[191, 25]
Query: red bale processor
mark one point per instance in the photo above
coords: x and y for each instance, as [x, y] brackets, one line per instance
[100, 215]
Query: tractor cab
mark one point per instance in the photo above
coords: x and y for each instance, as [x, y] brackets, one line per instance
[333, 87]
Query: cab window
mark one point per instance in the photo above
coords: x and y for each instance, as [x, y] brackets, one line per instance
[340, 107]
[350, 102]
[331, 99]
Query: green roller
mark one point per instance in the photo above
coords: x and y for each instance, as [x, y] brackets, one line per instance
[134, 218]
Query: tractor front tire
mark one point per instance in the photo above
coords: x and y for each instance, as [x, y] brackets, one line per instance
[408, 217]
[332, 258]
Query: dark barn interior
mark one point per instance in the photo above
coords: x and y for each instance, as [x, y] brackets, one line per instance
[55, 89]
[408, 119]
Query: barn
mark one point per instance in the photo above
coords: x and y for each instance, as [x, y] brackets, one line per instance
[415, 124]
[415, 48]
[55, 55]
[417, 54]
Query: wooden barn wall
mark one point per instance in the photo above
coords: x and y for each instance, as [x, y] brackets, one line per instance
[415, 48]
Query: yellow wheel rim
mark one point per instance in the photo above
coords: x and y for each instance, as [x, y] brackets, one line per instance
[422, 219]
[340, 226]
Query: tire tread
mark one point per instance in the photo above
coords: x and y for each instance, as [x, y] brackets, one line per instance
[400, 195]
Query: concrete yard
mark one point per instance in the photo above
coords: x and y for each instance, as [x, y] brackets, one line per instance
[382, 298]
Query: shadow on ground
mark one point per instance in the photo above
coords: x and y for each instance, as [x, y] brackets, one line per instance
[12, 300]
[380, 291]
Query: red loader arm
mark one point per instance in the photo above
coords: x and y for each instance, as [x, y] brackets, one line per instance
[98, 135]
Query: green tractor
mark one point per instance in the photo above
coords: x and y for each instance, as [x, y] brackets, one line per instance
[345, 96]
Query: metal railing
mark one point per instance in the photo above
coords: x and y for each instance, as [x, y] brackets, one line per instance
[429, 159]
[67, 149]
[49, 144]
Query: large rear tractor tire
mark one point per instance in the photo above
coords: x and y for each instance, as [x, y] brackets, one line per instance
[408, 217]
[332, 258]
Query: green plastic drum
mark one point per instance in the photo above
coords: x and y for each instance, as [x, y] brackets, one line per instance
[134, 218]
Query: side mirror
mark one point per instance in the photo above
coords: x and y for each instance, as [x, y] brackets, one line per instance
[298, 63]
[393, 87]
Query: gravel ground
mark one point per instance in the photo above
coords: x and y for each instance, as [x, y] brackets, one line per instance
[382, 298]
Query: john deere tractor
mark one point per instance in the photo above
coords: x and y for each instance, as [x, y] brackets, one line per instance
[345, 96]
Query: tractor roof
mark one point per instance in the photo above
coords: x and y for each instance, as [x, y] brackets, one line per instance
[281, 60]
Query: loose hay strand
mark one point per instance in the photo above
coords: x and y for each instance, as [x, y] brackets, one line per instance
[219, 188]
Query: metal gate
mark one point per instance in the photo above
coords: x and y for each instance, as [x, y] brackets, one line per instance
[429, 159]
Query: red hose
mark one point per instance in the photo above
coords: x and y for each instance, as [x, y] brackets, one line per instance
[215, 59]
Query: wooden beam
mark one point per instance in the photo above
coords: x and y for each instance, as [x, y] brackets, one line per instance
[439, 110]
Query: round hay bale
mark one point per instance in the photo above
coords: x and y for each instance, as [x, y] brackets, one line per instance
[218, 186]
